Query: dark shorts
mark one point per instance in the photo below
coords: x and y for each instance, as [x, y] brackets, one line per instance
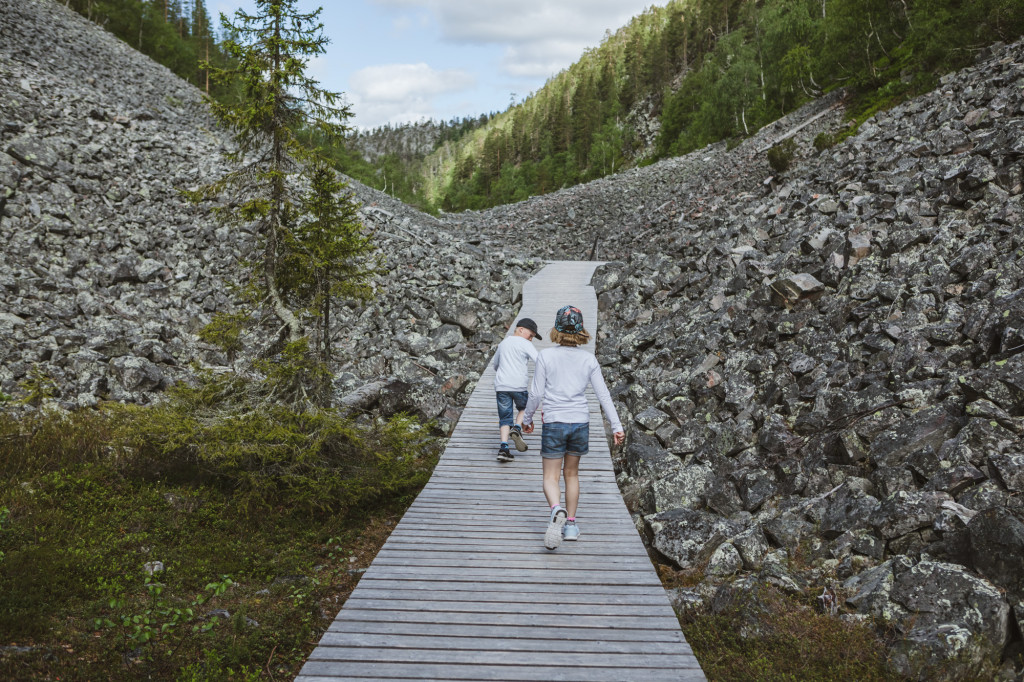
[506, 399]
[559, 439]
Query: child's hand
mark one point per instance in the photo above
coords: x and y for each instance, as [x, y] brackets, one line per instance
[620, 437]
[527, 428]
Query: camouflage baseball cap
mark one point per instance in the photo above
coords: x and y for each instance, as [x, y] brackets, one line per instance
[569, 320]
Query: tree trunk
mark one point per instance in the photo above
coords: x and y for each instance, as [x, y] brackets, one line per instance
[327, 328]
[276, 200]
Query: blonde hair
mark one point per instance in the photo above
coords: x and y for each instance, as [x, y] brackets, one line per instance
[580, 338]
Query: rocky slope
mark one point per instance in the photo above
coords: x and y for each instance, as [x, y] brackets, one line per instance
[108, 273]
[824, 371]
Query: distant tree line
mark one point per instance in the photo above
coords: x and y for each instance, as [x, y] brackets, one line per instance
[710, 70]
[179, 34]
[701, 70]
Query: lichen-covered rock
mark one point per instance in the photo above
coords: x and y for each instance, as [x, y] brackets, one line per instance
[786, 530]
[871, 591]
[848, 509]
[725, 561]
[686, 536]
[904, 512]
[941, 593]
[651, 461]
[997, 548]
[928, 428]
[684, 487]
[1010, 469]
[752, 547]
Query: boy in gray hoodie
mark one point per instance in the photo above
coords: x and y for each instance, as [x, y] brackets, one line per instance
[511, 376]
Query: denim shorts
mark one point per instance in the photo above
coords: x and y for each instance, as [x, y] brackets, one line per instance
[559, 439]
[505, 401]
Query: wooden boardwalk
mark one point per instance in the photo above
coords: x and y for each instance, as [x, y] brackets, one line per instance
[464, 588]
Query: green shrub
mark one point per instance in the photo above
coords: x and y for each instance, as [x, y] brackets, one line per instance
[781, 155]
[823, 141]
[39, 441]
[270, 454]
[37, 387]
[225, 332]
[87, 499]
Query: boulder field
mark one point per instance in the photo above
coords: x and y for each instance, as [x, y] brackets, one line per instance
[821, 370]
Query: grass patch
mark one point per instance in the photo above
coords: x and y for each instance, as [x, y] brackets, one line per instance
[766, 635]
[259, 520]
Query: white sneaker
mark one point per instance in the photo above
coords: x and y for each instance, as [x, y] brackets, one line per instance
[553, 535]
[571, 532]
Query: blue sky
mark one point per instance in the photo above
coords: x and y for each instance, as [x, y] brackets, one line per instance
[407, 60]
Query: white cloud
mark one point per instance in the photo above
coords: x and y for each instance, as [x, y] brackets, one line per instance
[394, 93]
[540, 37]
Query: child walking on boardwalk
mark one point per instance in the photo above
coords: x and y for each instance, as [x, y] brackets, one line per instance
[560, 382]
[511, 376]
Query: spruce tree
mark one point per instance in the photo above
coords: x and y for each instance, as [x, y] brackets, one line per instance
[312, 247]
[328, 252]
[269, 52]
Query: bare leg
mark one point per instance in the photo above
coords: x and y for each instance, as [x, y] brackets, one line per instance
[552, 471]
[504, 433]
[519, 417]
[572, 483]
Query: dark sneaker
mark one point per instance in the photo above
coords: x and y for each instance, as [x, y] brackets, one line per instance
[553, 535]
[516, 434]
[504, 455]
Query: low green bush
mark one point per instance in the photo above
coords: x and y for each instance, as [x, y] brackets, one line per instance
[781, 155]
[823, 141]
[39, 441]
[268, 454]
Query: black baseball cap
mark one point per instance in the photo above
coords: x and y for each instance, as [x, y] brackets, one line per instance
[527, 323]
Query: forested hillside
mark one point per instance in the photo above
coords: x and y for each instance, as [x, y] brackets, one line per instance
[698, 71]
[678, 77]
[180, 34]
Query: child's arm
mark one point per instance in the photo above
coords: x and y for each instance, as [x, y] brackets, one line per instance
[605, 398]
[536, 392]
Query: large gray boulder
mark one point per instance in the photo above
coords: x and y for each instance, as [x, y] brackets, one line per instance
[688, 537]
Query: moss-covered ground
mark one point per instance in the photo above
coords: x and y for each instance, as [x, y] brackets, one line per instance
[88, 519]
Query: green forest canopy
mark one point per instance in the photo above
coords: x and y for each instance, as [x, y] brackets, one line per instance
[710, 70]
[704, 70]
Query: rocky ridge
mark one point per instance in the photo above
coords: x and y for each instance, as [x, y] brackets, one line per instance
[823, 371]
[108, 272]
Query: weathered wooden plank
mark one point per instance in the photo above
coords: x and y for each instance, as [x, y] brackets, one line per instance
[581, 550]
[433, 530]
[568, 575]
[370, 580]
[488, 596]
[394, 631]
[543, 620]
[473, 643]
[321, 671]
[539, 656]
[525, 607]
[506, 563]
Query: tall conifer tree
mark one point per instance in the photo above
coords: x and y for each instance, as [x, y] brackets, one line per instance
[309, 240]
